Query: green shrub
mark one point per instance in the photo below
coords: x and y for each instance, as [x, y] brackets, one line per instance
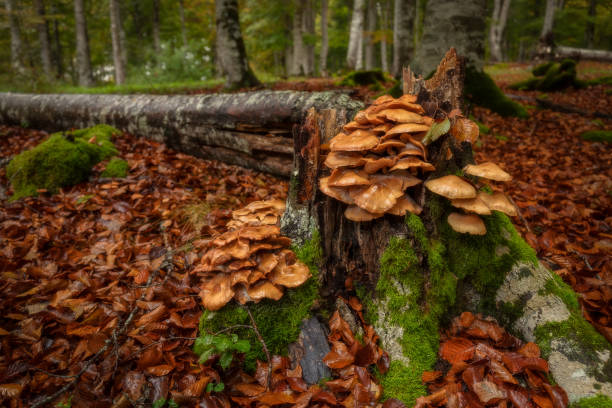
[597, 136]
[64, 159]
[552, 76]
[481, 90]
[116, 168]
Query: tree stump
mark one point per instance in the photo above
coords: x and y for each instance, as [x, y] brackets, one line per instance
[414, 273]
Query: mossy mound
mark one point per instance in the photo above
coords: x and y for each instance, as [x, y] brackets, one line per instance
[598, 401]
[481, 90]
[551, 76]
[116, 168]
[278, 321]
[64, 159]
[597, 136]
[374, 78]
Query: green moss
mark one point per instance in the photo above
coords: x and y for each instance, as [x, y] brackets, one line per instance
[396, 91]
[62, 160]
[510, 312]
[361, 78]
[116, 168]
[598, 401]
[597, 136]
[563, 291]
[278, 321]
[552, 76]
[481, 90]
[541, 69]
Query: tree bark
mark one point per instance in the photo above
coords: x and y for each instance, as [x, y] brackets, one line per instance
[156, 35]
[355, 34]
[299, 49]
[82, 45]
[57, 54]
[354, 255]
[496, 30]
[359, 63]
[589, 32]
[583, 53]
[549, 20]
[231, 53]
[43, 38]
[115, 28]
[369, 35]
[403, 27]
[324, 39]
[248, 129]
[383, 12]
[183, 25]
[449, 23]
[16, 41]
[308, 28]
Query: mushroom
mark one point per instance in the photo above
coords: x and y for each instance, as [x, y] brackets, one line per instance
[339, 194]
[377, 198]
[409, 162]
[396, 180]
[451, 187]
[405, 204]
[357, 141]
[465, 130]
[372, 165]
[216, 292]
[407, 128]
[264, 289]
[467, 223]
[343, 159]
[473, 205]
[346, 178]
[401, 116]
[382, 99]
[357, 214]
[498, 202]
[290, 275]
[487, 170]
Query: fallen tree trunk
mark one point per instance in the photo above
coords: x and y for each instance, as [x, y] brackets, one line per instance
[583, 53]
[253, 130]
[413, 274]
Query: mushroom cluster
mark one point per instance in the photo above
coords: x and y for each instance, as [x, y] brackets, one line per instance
[377, 157]
[464, 195]
[250, 262]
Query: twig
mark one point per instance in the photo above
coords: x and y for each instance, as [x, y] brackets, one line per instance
[50, 374]
[263, 344]
[518, 210]
[236, 326]
[155, 343]
[584, 258]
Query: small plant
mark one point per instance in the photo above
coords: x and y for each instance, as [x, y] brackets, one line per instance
[223, 345]
[84, 199]
[162, 402]
[212, 387]
[65, 404]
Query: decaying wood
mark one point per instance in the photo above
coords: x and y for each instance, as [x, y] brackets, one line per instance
[249, 129]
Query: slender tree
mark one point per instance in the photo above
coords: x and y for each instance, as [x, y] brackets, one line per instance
[451, 23]
[549, 19]
[298, 54]
[156, 37]
[57, 52]
[589, 32]
[383, 13]
[115, 26]
[369, 34]
[183, 24]
[43, 37]
[16, 41]
[231, 54]
[82, 45]
[497, 27]
[403, 28]
[324, 39]
[356, 34]
[308, 29]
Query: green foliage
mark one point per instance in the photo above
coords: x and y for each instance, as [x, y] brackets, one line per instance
[597, 136]
[482, 91]
[212, 387]
[62, 160]
[84, 199]
[436, 130]
[65, 404]
[598, 401]
[162, 402]
[222, 345]
[375, 79]
[116, 168]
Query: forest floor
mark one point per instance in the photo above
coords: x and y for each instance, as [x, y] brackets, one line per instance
[77, 265]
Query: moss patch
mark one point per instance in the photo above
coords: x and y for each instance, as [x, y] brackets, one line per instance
[62, 160]
[598, 401]
[551, 76]
[363, 78]
[481, 90]
[116, 168]
[597, 136]
[278, 321]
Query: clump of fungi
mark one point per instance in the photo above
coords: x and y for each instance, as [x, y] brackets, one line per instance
[251, 261]
[382, 153]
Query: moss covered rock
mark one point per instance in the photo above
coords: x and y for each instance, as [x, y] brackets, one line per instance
[481, 90]
[115, 168]
[64, 159]
[551, 76]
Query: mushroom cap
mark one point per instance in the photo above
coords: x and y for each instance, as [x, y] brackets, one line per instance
[382, 129]
[216, 292]
[339, 194]
[410, 150]
[351, 126]
[255, 206]
[267, 262]
[342, 177]
[359, 140]
[264, 289]
[407, 98]
[401, 116]
[473, 205]
[407, 128]
[241, 276]
[373, 118]
[372, 165]
[357, 214]
[389, 144]
[487, 170]
[376, 198]
[259, 232]
[467, 223]
[360, 118]
[409, 162]
[382, 99]
[290, 276]
[396, 180]
[451, 187]
[498, 202]
[465, 130]
[343, 159]
[404, 205]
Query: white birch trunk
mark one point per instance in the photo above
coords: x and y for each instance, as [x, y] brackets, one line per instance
[299, 51]
[403, 27]
[82, 45]
[356, 34]
[43, 38]
[115, 23]
[549, 19]
[496, 30]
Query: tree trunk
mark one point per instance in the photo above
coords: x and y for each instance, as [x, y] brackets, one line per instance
[82, 45]
[248, 129]
[16, 42]
[299, 50]
[355, 34]
[582, 53]
[549, 20]
[324, 39]
[43, 38]
[589, 32]
[308, 28]
[412, 275]
[156, 36]
[369, 35]
[383, 12]
[359, 63]
[403, 28]
[183, 25]
[115, 27]
[230, 46]
[57, 54]
[496, 30]
[451, 23]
